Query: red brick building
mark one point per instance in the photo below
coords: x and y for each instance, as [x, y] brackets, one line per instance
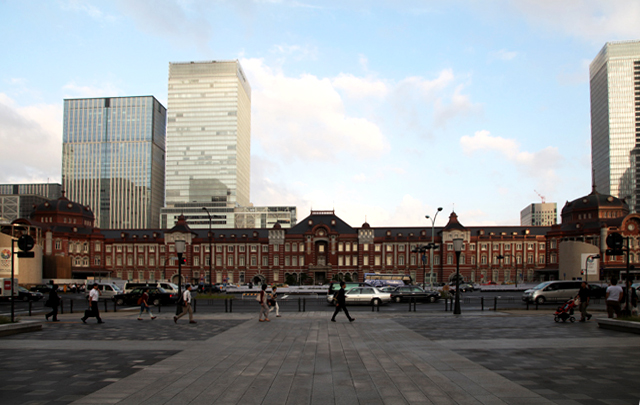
[322, 247]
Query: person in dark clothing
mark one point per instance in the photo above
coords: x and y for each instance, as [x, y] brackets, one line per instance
[341, 303]
[54, 303]
[584, 294]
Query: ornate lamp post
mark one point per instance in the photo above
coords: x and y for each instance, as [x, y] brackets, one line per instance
[457, 247]
[210, 250]
[180, 244]
[432, 244]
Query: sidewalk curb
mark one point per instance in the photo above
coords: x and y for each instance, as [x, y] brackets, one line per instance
[618, 325]
[8, 329]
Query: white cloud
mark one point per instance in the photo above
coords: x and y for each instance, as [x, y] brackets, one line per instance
[596, 20]
[72, 90]
[184, 23]
[33, 142]
[359, 87]
[541, 164]
[304, 117]
[503, 54]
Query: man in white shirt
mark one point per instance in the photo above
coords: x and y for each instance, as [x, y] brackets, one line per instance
[186, 305]
[614, 296]
[94, 295]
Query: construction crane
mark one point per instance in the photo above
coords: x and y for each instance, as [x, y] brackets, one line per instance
[541, 196]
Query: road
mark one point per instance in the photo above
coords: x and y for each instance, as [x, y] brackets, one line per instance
[471, 301]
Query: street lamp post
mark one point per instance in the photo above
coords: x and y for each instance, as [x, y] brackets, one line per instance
[586, 266]
[180, 244]
[210, 250]
[457, 247]
[515, 264]
[433, 244]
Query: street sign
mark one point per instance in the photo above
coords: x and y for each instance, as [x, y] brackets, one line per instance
[26, 254]
[615, 242]
[26, 243]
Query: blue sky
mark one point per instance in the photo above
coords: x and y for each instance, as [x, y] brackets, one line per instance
[383, 110]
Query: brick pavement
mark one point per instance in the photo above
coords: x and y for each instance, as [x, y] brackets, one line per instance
[302, 358]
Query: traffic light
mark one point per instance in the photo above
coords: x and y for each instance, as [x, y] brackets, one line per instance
[615, 242]
[183, 260]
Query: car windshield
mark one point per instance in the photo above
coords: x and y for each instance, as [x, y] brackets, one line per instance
[22, 289]
[161, 290]
[542, 285]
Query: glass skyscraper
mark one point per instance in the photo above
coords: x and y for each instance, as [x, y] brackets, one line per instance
[113, 159]
[615, 120]
[208, 142]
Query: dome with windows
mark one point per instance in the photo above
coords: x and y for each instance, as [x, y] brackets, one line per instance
[594, 211]
[63, 212]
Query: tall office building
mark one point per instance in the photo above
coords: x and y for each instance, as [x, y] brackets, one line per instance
[539, 214]
[18, 200]
[208, 142]
[113, 155]
[615, 120]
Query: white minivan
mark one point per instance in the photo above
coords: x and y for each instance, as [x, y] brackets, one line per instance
[555, 290]
[107, 290]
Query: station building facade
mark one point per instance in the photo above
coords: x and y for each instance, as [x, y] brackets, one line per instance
[322, 247]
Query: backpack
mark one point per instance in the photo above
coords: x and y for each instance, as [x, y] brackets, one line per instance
[140, 301]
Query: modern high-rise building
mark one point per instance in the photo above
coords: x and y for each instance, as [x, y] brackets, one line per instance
[615, 120]
[208, 141]
[18, 200]
[113, 159]
[536, 214]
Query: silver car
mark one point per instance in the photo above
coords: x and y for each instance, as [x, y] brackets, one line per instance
[364, 295]
[555, 290]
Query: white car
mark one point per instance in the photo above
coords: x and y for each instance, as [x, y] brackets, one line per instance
[364, 295]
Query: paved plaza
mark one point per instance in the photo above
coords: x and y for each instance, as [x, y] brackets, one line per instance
[486, 357]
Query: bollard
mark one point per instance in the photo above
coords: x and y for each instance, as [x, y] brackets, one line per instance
[410, 299]
[446, 304]
[299, 302]
[225, 306]
[61, 307]
[536, 305]
[482, 303]
[70, 306]
[304, 305]
[495, 303]
[231, 305]
[30, 305]
[194, 306]
[414, 304]
[105, 306]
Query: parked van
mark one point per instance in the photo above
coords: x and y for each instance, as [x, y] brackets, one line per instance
[107, 290]
[556, 290]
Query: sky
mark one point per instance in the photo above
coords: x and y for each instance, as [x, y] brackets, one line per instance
[380, 110]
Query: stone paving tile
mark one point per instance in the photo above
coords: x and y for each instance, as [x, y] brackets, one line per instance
[63, 376]
[130, 329]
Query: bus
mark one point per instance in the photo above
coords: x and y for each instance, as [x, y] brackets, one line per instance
[383, 280]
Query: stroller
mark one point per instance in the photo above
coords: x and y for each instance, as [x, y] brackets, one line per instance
[565, 312]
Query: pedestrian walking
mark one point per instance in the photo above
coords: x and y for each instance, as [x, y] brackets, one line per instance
[144, 304]
[341, 303]
[614, 295]
[584, 295]
[186, 306]
[264, 307]
[273, 301]
[631, 303]
[53, 302]
[93, 312]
